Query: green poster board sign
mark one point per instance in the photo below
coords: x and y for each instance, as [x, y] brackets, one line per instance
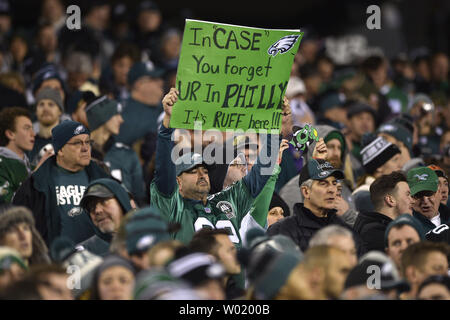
[233, 77]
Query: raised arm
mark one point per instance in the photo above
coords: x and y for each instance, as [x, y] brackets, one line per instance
[165, 174]
[260, 173]
[262, 202]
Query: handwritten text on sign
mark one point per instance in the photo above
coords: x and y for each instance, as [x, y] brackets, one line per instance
[232, 77]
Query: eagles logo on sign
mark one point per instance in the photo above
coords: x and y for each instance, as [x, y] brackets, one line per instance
[226, 208]
[283, 45]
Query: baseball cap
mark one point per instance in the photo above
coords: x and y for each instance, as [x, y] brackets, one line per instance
[422, 179]
[141, 69]
[318, 169]
[106, 188]
[97, 190]
[439, 171]
[188, 161]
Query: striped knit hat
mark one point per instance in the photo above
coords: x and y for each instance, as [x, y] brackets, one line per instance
[376, 152]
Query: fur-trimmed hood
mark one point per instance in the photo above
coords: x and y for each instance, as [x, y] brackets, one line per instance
[14, 215]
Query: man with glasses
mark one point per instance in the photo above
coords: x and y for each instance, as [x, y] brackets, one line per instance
[424, 185]
[54, 191]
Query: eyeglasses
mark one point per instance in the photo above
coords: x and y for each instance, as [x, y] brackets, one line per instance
[80, 143]
[91, 205]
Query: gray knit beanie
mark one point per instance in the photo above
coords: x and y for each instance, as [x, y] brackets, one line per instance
[50, 94]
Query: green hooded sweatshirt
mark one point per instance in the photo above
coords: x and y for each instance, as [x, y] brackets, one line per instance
[13, 171]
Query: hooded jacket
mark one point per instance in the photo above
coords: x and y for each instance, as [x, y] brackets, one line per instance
[371, 227]
[37, 193]
[15, 215]
[99, 243]
[291, 191]
[13, 171]
[303, 224]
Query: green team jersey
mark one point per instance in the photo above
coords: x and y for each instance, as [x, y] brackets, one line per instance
[224, 210]
[13, 171]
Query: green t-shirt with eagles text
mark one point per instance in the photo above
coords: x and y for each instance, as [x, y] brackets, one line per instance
[69, 189]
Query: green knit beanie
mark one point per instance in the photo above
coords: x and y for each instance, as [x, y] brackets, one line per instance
[340, 137]
[99, 111]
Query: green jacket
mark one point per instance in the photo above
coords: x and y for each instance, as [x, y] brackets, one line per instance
[257, 216]
[225, 209]
[13, 171]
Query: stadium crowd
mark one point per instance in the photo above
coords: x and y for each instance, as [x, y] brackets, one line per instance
[93, 206]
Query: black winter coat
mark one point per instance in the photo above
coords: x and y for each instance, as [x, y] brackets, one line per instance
[303, 224]
[371, 227]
